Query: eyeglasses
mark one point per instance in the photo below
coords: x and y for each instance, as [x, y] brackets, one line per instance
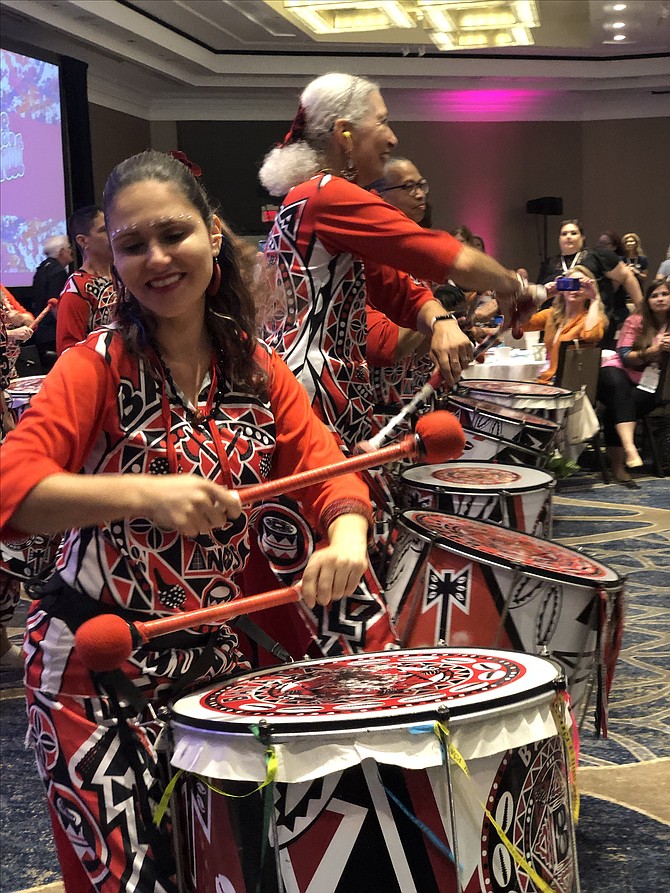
[421, 186]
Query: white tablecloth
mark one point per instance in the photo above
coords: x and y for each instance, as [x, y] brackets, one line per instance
[519, 366]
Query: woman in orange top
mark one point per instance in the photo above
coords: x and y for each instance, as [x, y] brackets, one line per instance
[573, 315]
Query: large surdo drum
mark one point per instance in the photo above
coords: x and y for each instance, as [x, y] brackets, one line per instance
[363, 800]
[468, 583]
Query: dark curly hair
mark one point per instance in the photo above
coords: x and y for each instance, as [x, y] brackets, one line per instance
[230, 313]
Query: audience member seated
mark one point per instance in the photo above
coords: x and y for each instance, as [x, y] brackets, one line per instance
[16, 320]
[611, 241]
[628, 381]
[48, 282]
[664, 269]
[463, 234]
[573, 315]
[88, 298]
[478, 243]
[609, 270]
[634, 257]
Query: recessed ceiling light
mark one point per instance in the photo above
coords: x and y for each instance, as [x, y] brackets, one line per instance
[619, 36]
[619, 7]
[617, 25]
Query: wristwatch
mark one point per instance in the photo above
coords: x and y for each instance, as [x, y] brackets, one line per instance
[440, 318]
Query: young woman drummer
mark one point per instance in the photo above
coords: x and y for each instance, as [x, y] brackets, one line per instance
[135, 446]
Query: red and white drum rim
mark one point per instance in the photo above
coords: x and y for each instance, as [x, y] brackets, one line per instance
[477, 477]
[27, 387]
[505, 412]
[516, 388]
[509, 548]
[376, 689]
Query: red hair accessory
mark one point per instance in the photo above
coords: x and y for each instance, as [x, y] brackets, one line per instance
[195, 169]
[297, 131]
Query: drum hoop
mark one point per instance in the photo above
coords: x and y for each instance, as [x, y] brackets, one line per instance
[412, 715]
[281, 732]
[549, 484]
[471, 385]
[507, 563]
[483, 408]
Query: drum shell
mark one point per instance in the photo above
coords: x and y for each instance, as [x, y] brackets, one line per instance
[511, 426]
[341, 830]
[481, 447]
[521, 396]
[437, 595]
[525, 508]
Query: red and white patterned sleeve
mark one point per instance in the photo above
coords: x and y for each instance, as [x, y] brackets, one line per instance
[303, 443]
[59, 429]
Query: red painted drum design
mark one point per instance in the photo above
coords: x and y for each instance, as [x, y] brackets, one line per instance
[362, 799]
[513, 430]
[21, 391]
[469, 583]
[543, 400]
[516, 497]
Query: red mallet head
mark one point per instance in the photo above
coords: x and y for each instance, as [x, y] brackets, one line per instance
[104, 642]
[440, 437]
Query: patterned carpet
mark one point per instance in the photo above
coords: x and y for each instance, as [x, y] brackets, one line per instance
[624, 833]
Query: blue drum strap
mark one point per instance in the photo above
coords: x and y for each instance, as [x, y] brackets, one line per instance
[425, 830]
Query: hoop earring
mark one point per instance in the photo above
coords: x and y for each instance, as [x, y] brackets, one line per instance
[215, 282]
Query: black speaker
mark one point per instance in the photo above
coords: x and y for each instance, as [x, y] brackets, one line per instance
[548, 204]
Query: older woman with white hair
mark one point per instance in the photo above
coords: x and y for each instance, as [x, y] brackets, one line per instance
[334, 244]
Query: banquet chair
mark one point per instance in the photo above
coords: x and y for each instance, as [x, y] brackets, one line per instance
[656, 424]
[578, 367]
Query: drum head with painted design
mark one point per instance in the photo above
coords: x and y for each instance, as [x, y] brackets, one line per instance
[489, 543]
[364, 690]
[475, 477]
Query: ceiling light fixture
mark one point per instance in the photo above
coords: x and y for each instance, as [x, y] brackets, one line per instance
[619, 37]
[619, 7]
[617, 25]
[450, 24]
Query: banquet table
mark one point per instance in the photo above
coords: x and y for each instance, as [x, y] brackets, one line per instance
[505, 365]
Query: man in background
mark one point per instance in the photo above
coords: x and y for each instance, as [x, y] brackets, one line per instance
[88, 298]
[48, 282]
[404, 188]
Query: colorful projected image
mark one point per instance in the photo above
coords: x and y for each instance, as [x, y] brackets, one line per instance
[31, 164]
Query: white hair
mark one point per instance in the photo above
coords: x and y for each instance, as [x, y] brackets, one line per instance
[324, 100]
[55, 244]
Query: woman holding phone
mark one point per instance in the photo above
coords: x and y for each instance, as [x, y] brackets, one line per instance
[576, 313]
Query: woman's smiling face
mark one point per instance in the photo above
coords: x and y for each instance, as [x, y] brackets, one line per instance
[163, 249]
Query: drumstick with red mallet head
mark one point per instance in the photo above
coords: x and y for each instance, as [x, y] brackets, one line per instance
[104, 642]
[51, 303]
[438, 437]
